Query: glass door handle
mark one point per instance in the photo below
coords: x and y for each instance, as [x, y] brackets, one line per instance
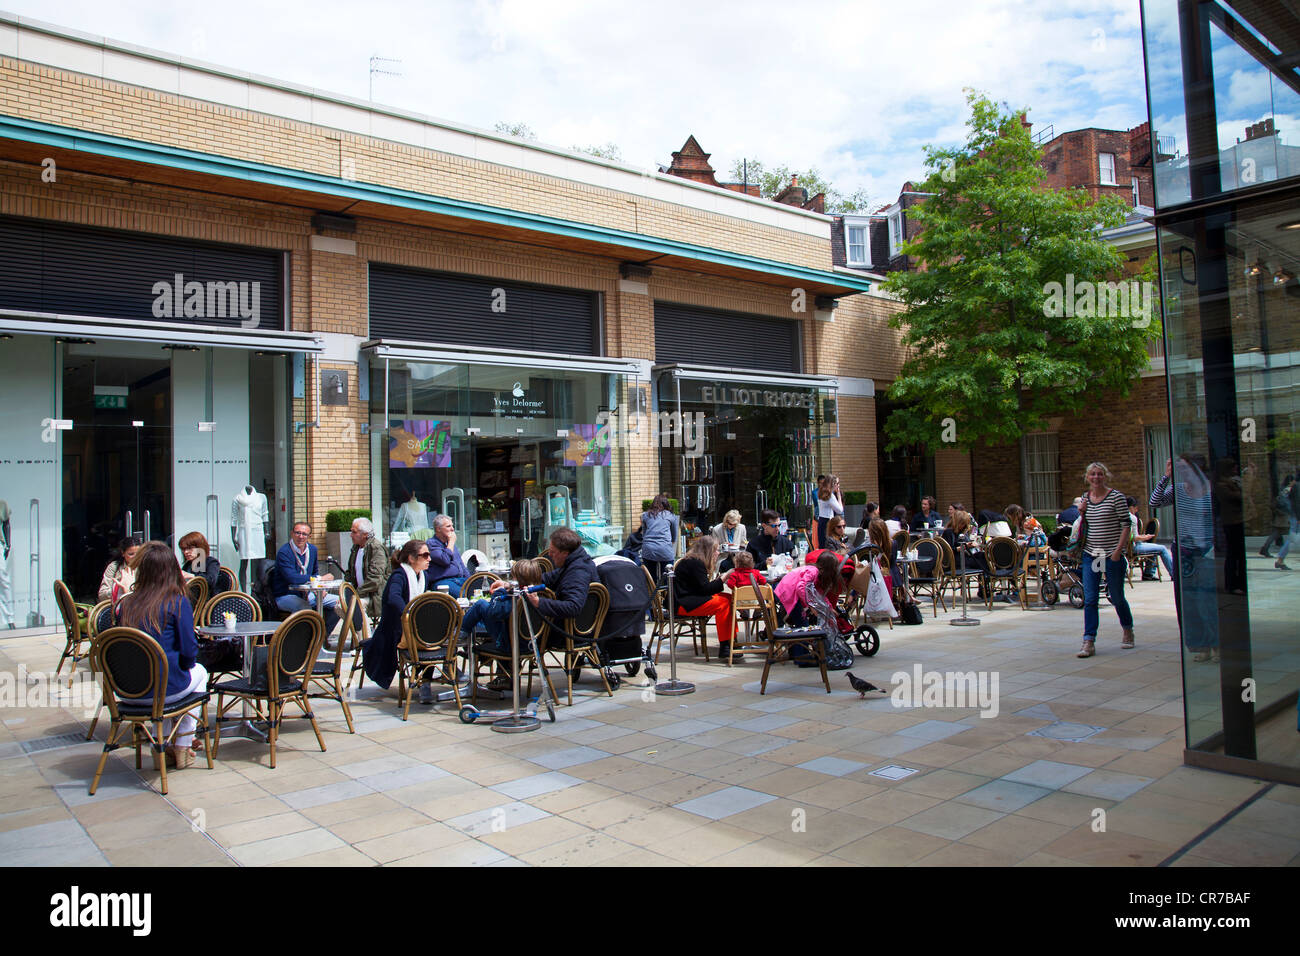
[213, 522]
[128, 522]
[34, 617]
[147, 526]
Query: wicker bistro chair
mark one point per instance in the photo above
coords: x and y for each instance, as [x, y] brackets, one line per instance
[99, 619]
[290, 657]
[1006, 567]
[327, 676]
[196, 590]
[683, 624]
[545, 563]
[227, 580]
[1147, 562]
[747, 608]
[953, 576]
[430, 627]
[899, 543]
[74, 623]
[780, 641]
[134, 674]
[580, 634]
[932, 583]
[1035, 567]
[478, 581]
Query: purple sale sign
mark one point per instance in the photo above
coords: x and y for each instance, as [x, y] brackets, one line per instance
[419, 443]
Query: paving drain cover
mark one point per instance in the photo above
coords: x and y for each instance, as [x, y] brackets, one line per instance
[893, 772]
[1064, 730]
[52, 743]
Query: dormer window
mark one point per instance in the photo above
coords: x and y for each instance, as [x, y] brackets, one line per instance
[857, 242]
[895, 233]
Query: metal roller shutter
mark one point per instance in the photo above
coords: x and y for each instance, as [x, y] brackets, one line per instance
[75, 270]
[436, 307]
[691, 335]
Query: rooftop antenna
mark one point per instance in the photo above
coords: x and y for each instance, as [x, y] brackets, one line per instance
[376, 68]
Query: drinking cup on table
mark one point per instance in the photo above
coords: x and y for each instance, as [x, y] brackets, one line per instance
[229, 619]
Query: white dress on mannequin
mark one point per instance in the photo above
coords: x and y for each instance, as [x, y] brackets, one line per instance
[412, 516]
[249, 515]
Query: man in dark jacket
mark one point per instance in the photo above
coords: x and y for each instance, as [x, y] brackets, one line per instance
[573, 574]
[769, 540]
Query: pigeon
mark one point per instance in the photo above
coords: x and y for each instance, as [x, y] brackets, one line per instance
[862, 686]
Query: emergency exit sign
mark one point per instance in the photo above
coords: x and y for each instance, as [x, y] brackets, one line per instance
[110, 401]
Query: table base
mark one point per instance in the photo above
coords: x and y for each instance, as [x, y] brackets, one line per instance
[964, 621]
[674, 688]
[516, 725]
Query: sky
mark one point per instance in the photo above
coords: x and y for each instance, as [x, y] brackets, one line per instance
[854, 89]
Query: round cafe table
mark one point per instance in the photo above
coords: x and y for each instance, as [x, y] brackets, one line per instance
[319, 589]
[250, 631]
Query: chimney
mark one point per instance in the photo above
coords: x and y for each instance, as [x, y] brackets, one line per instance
[794, 194]
[1260, 130]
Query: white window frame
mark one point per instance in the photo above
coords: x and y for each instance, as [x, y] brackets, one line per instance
[895, 216]
[865, 225]
[1106, 176]
[1040, 472]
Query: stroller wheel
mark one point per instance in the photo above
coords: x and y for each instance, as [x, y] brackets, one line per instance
[650, 672]
[614, 680]
[1076, 595]
[866, 640]
[632, 669]
[1051, 593]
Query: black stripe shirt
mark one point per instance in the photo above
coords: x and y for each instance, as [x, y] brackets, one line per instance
[1107, 522]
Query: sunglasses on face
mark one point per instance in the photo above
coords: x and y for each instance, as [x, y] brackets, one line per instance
[423, 554]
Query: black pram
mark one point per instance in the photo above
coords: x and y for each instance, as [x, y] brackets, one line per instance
[620, 639]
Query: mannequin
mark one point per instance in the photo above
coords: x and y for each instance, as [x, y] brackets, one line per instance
[412, 516]
[249, 520]
[6, 597]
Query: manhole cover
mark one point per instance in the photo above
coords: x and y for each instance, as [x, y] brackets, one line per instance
[1064, 730]
[52, 743]
[893, 772]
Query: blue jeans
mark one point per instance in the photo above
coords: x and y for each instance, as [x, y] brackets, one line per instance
[290, 603]
[1115, 574]
[1286, 540]
[1166, 556]
[453, 585]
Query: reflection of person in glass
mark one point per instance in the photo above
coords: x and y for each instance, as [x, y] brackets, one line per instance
[1186, 487]
[6, 597]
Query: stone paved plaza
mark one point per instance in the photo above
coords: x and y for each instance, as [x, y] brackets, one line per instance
[722, 776]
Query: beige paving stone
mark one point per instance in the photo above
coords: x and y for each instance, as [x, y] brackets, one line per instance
[185, 849]
[782, 783]
[260, 828]
[1110, 848]
[775, 816]
[115, 834]
[706, 842]
[1285, 794]
[396, 846]
[588, 849]
[500, 772]
[570, 798]
[290, 781]
[836, 793]
[940, 754]
[805, 730]
[374, 825]
[640, 857]
[944, 784]
[960, 854]
[1145, 764]
[118, 808]
[1239, 845]
[1067, 809]
[290, 846]
[607, 813]
[1207, 786]
[1016, 835]
[826, 832]
[596, 769]
[891, 806]
[33, 816]
[339, 856]
[890, 846]
[1192, 860]
[766, 852]
[648, 829]
[797, 753]
[636, 778]
[684, 788]
[329, 814]
[1047, 859]
[457, 805]
[518, 839]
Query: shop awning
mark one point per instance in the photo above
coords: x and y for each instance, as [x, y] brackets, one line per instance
[745, 376]
[118, 330]
[461, 355]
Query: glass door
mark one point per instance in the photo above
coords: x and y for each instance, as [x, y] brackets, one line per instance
[117, 458]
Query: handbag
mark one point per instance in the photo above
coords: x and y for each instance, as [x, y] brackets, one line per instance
[910, 613]
[877, 596]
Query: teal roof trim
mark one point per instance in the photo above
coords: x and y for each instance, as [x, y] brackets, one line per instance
[44, 134]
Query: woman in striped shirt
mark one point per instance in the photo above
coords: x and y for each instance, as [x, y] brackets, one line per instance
[1106, 542]
[1186, 487]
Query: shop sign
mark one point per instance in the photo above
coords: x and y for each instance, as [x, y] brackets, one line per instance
[517, 404]
[110, 401]
[769, 398]
[419, 443]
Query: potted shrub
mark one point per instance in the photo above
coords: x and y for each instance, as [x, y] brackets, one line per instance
[338, 531]
[854, 504]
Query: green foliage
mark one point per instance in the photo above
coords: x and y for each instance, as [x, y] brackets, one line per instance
[1048, 522]
[855, 498]
[673, 503]
[982, 350]
[341, 519]
[778, 473]
[520, 130]
[609, 151]
[772, 181]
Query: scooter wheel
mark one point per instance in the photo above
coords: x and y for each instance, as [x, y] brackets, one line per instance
[632, 669]
[468, 714]
[650, 672]
[1076, 595]
[867, 640]
[1051, 593]
[550, 710]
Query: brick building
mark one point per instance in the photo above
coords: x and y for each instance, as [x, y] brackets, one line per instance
[216, 282]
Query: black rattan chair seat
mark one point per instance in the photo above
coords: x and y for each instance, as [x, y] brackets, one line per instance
[132, 708]
[243, 687]
[426, 657]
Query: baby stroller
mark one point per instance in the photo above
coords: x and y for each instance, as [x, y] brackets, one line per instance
[620, 639]
[863, 635]
[1068, 569]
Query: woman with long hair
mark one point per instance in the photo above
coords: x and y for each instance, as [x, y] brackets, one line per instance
[830, 502]
[409, 578]
[697, 596]
[1105, 546]
[812, 588]
[198, 561]
[835, 541]
[157, 605]
[658, 535]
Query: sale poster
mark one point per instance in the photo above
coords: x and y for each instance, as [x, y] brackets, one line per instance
[587, 445]
[419, 443]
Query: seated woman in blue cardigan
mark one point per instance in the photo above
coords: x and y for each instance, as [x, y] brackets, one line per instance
[409, 578]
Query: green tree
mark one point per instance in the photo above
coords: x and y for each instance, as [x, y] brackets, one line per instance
[770, 182]
[521, 130]
[609, 151]
[993, 349]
